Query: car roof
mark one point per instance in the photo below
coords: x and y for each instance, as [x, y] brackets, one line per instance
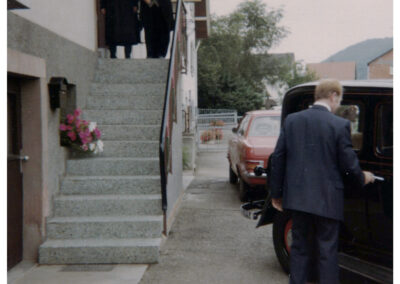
[264, 112]
[377, 83]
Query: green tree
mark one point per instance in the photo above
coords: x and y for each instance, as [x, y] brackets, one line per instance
[231, 69]
[298, 75]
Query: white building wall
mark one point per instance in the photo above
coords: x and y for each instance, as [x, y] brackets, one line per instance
[75, 20]
[189, 98]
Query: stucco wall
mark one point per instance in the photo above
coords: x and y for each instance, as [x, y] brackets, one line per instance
[63, 58]
[337, 70]
[190, 78]
[174, 185]
[75, 20]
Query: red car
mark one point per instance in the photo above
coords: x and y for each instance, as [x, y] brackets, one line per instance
[253, 142]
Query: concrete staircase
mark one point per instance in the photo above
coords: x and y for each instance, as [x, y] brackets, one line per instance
[109, 207]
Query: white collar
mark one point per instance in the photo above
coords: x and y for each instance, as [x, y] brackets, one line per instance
[323, 104]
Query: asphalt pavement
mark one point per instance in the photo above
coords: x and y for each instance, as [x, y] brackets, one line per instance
[210, 241]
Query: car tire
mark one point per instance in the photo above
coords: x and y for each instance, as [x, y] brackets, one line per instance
[243, 190]
[233, 178]
[281, 233]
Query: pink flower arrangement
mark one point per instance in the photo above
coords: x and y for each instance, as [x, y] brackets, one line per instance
[81, 134]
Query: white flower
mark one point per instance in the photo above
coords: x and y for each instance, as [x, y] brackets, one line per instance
[92, 146]
[99, 147]
[92, 126]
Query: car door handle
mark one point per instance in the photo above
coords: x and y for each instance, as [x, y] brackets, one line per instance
[379, 178]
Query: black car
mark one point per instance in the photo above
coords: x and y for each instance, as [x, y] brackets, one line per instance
[366, 237]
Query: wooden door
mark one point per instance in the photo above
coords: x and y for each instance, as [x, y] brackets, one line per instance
[14, 175]
[101, 31]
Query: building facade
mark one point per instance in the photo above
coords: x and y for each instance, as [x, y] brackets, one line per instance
[56, 39]
[44, 41]
[338, 70]
[381, 67]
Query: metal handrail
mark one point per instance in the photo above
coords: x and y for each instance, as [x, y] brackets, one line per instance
[176, 63]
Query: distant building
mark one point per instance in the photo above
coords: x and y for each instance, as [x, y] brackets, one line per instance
[337, 70]
[381, 67]
[362, 54]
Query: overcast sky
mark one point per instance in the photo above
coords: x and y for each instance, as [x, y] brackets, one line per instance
[320, 28]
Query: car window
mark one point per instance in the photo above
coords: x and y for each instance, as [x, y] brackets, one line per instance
[265, 126]
[353, 113]
[243, 125]
[384, 133]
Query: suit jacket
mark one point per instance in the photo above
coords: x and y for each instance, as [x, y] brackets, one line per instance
[313, 154]
[157, 19]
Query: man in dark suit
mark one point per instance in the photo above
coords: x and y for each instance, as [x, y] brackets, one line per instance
[312, 155]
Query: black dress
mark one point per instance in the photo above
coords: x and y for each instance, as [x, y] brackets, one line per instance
[157, 22]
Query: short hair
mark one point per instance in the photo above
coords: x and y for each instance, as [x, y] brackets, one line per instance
[326, 87]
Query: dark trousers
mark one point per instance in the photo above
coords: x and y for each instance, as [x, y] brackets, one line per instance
[315, 244]
[156, 43]
[127, 49]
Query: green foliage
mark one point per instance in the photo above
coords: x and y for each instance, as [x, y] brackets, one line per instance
[233, 62]
[299, 75]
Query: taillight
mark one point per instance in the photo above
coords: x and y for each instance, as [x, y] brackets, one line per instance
[251, 164]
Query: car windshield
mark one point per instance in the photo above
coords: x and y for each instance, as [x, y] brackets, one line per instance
[265, 126]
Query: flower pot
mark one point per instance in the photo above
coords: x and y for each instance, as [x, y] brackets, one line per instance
[75, 152]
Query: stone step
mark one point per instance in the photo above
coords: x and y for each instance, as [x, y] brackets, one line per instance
[144, 117]
[136, 90]
[130, 132]
[104, 227]
[147, 64]
[86, 185]
[125, 102]
[134, 149]
[107, 205]
[95, 251]
[113, 166]
[131, 71]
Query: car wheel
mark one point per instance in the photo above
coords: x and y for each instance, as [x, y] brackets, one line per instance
[243, 190]
[233, 178]
[282, 235]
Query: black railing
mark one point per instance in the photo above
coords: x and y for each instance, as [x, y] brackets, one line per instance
[177, 64]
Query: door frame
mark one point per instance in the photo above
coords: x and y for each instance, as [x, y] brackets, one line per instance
[14, 175]
[31, 73]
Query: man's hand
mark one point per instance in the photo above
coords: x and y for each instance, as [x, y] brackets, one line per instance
[103, 11]
[277, 203]
[368, 177]
[148, 2]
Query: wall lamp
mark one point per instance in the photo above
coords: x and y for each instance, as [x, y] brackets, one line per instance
[58, 86]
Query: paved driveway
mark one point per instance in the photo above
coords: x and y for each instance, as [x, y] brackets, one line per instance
[210, 241]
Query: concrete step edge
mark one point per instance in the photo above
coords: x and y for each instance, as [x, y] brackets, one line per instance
[135, 141]
[138, 177]
[108, 197]
[152, 242]
[105, 159]
[130, 125]
[151, 111]
[127, 84]
[127, 96]
[106, 219]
